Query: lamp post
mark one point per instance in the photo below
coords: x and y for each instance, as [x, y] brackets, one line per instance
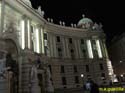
[121, 78]
[82, 76]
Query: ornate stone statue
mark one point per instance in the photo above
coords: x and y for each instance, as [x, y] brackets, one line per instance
[40, 11]
[97, 27]
[27, 2]
[2, 66]
[50, 88]
[10, 27]
[34, 80]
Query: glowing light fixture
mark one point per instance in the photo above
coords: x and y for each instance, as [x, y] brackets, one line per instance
[82, 75]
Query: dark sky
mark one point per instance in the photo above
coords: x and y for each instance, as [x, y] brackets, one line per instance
[110, 14]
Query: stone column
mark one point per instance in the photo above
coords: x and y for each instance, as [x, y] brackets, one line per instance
[64, 47]
[67, 48]
[2, 11]
[89, 48]
[79, 48]
[103, 48]
[54, 47]
[29, 33]
[50, 38]
[42, 40]
[26, 32]
[76, 48]
[98, 48]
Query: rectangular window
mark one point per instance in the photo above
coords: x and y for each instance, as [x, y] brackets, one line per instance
[76, 79]
[101, 67]
[58, 39]
[87, 68]
[64, 81]
[62, 69]
[72, 54]
[45, 49]
[50, 68]
[45, 36]
[103, 75]
[84, 53]
[75, 69]
[70, 40]
[59, 52]
[82, 41]
[31, 29]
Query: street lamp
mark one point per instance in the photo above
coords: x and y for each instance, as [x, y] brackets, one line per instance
[82, 76]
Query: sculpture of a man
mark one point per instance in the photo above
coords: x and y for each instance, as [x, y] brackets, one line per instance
[28, 2]
[34, 80]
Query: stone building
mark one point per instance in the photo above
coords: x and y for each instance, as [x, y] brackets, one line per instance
[49, 56]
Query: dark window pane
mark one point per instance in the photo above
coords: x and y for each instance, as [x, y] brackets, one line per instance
[101, 67]
[45, 49]
[75, 69]
[87, 68]
[45, 36]
[72, 54]
[59, 52]
[63, 80]
[59, 49]
[31, 29]
[62, 69]
[70, 40]
[76, 79]
[50, 68]
[82, 41]
[103, 75]
[58, 39]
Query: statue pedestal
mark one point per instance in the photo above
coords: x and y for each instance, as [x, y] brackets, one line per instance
[35, 88]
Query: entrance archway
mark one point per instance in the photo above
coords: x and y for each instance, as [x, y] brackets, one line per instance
[11, 48]
[12, 64]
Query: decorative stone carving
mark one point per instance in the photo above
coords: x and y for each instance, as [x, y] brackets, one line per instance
[10, 27]
[34, 84]
[97, 27]
[40, 11]
[28, 2]
[2, 66]
[49, 88]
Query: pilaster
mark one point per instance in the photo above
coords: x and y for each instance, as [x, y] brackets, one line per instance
[79, 48]
[64, 47]
[2, 11]
[76, 48]
[67, 48]
[54, 47]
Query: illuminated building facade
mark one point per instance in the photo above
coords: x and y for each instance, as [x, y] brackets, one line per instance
[50, 56]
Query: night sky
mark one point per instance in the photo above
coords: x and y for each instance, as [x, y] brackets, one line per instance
[110, 14]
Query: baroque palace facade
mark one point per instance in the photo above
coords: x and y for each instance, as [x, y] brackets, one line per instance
[37, 55]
